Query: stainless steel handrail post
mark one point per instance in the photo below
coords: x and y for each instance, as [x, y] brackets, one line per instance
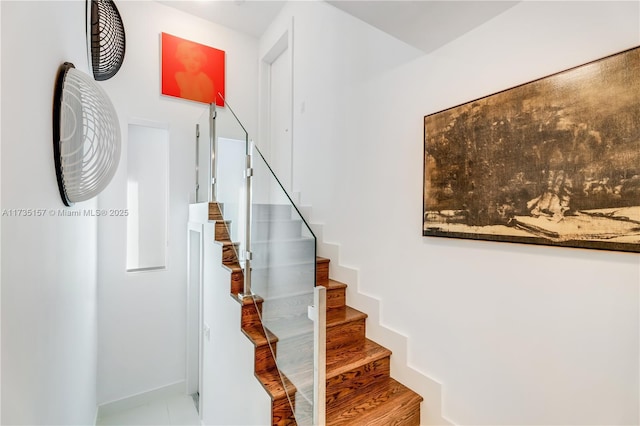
[248, 208]
[246, 292]
[319, 355]
[197, 161]
[213, 148]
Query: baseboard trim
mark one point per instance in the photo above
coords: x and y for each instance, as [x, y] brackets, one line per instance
[139, 399]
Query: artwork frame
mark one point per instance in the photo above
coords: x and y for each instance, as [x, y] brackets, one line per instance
[554, 161]
[191, 70]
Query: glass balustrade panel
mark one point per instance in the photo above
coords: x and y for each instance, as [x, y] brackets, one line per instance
[283, 275]
[282, 265]
[231, 191]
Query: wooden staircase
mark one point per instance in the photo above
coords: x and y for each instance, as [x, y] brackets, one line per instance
[359, 390]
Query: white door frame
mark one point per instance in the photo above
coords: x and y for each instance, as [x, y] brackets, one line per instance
[283, 45]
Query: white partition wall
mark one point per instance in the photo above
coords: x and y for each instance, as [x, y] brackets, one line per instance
[195, 258]
[516, 334]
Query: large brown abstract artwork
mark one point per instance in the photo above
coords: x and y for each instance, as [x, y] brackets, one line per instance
[555, 161]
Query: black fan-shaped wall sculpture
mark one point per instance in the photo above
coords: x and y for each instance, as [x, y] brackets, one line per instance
[106, 38]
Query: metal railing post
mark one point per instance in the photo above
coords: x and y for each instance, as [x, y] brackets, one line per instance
[197, 162]
[213, 148]
[247, 232]
[319, 355]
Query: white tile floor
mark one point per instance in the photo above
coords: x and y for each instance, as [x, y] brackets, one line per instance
[175, 410]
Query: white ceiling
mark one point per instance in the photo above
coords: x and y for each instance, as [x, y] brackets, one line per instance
[424, 24]
[250, 17]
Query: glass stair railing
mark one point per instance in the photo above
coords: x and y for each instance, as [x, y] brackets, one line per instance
[277, 251]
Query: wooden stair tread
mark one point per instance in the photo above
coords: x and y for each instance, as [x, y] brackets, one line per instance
[282, 265]
[249, 300]
[292, 327]
[341, 360]
[322, 259]
[345, 314]
[258, 336]
[272, 382]
[332, 284]
[233, 267]
[215, 213]
[384, 402]
[336, 293]
[227, 243]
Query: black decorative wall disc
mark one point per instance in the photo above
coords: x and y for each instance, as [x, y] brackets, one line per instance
[106, 38]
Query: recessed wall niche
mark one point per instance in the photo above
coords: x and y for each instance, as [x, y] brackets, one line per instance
[147, 196]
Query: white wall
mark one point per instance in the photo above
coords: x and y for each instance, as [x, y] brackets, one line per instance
[49, 331]
[0, 228]
[142, 316]
[516, 334]
[231, 394]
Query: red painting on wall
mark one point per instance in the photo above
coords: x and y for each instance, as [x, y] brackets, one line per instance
[192, 70]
